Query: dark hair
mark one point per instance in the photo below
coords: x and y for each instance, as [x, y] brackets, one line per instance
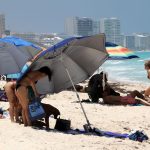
[47, 71]
[147, 63]
[103, 74]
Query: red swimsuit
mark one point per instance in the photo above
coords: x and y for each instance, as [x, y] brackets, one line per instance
[128, 99]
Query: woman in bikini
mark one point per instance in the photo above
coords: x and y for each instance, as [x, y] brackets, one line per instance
[22, 91]
[147, 68]
[125, 100]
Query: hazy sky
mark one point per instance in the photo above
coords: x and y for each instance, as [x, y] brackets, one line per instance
[49, 15]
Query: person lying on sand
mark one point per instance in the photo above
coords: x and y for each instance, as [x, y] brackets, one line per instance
[125, 100]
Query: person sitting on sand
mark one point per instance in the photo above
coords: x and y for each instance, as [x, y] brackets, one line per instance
[147, 68]
[125, 100]
[9, 88]
[22, 90]
[95, 87]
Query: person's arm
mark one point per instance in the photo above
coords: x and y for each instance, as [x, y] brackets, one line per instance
[144, 102]
[34, 89]
[32, 84]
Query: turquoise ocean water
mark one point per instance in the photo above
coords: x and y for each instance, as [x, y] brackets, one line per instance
[128, 70]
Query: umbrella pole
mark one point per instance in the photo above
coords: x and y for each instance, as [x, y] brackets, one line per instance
[87, 126]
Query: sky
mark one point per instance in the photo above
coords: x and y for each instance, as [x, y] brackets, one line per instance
[48, 16]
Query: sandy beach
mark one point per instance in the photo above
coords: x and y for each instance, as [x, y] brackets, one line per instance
[119, 119]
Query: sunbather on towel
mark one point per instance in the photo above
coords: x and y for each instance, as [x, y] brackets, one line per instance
[22, 91]
[125, 100]
[12, 99]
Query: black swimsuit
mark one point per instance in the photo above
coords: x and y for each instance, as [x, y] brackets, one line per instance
[18, 85]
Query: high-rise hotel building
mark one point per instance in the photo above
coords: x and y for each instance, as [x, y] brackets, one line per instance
[2, 24]
[81, 26]
[111, 28]
[129, 41]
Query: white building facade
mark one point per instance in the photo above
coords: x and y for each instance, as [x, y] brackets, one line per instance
[81, 26]
[111, 28]
[2, 24]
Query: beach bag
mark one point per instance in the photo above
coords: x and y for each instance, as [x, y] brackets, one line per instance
[62, 124]
[36, 110]
[138, 136]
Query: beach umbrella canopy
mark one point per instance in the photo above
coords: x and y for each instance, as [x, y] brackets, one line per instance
[117, 52]
[11, 58]
[25, 47]
[80, 56]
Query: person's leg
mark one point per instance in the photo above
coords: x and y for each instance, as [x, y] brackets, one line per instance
[22, 111]
[16, 110]
[113, 100]
[11, 111]
[11, 99]
[22, 94]
[144, 102]
[24, 118]
[137, 93]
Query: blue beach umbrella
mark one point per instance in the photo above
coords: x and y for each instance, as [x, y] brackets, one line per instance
[28, 49]
[11, 59]
[25, 47]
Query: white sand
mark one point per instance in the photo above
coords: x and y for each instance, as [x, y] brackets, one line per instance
[111, 118]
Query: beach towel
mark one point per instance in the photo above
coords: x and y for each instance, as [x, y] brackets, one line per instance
[134, 135]
[109, 134]
[136, 105]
